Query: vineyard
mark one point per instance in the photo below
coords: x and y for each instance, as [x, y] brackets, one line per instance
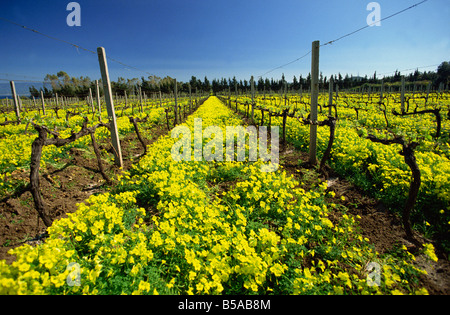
[160, 226]
[364, 121]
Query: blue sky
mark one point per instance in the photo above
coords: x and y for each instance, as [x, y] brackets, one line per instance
[215, 38]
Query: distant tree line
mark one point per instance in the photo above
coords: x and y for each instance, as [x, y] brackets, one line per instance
[65, 85]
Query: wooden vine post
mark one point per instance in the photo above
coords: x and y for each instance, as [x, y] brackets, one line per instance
[402, 94]
[236, 93]
[190, 98]
[428, 92]
[91, 101]
[314, 102]
[140, 99]
[330, 95]
[253, 97]
[16, 104]
[43, 103]
[110, 106]
[176, 103]
[57, 102]
[97, 88]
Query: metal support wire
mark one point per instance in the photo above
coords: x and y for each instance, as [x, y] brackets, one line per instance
[72, 44]
[346, 35]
